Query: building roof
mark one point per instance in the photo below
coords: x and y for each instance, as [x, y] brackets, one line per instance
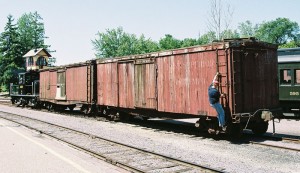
[34, 52]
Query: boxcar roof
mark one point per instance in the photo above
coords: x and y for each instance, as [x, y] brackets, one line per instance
[215, 45]
[68, 66]
[226, 43]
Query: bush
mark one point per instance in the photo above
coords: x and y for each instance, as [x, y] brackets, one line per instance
[3, 88]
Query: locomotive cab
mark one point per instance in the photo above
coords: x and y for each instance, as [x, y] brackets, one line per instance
[26, 90]
[28, 83]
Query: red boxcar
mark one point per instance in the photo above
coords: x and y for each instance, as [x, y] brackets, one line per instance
[66, 86]
[175, 83]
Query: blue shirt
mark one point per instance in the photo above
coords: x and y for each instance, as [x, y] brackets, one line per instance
[213, 94]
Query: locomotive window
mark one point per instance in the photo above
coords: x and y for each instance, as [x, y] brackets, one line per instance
[297, 76]
[21, 78]
[28, 79]
[286, 76]
[35, 77]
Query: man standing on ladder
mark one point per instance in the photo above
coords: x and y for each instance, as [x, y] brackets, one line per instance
[214, 97]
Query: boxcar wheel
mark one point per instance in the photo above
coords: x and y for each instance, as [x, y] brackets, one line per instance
[260, 128]
[84, 109]
[71, 108]
[50, 107]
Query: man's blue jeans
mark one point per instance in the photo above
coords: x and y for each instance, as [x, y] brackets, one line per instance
[221, 113]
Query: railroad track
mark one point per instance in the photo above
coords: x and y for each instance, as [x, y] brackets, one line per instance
[195, 131]
[5, 102]
[285, 141]
[163, 126]
[125, 156]
[275, 146]
[292, 140]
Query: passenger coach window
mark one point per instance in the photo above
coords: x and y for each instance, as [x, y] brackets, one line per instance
[297, 76]
[285, 76]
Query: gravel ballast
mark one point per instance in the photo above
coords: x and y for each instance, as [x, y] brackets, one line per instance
[218, 154]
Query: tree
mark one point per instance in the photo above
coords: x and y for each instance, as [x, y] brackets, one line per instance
[51, 61]
[11, 60]
[219, 18]
[15, 41]
[169, 42]
[246, 29]
[116, 42]
[291, 44]
[189, 42]
[146, 45]
[279, 31]
[112, 43]
[227, 34]
[207, 38]
[32, 32]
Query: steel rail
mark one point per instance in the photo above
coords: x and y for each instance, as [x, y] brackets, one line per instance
[291, 140]
[274, 146]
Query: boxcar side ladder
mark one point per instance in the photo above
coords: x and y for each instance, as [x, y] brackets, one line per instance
[88, 94]
[222, 67]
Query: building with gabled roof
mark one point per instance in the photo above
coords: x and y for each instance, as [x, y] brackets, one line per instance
[36, 59]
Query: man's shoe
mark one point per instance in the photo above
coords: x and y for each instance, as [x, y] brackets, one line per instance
[224, 128]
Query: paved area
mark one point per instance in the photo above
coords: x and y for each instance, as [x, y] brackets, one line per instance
[26, 151]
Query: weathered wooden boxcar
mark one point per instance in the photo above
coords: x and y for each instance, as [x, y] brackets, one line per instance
[174, 83]
[66, 86]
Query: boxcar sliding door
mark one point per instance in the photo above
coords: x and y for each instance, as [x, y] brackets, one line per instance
[126, 84]
[145, 84]
[61, 85]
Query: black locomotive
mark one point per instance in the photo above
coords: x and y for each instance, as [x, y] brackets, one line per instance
[26, 92]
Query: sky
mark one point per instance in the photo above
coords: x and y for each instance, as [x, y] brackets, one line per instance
[72, 24]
